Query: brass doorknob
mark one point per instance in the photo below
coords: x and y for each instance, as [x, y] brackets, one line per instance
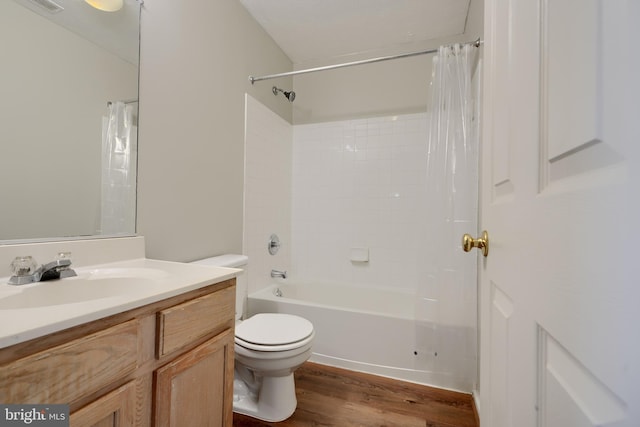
[482, 243]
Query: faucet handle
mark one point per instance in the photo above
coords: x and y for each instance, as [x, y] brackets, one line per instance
[23, 266]
[64, 262]
[64, 256]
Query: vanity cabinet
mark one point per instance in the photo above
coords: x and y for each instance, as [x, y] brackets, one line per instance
[196, 388]
[183, 398]
[169, 363]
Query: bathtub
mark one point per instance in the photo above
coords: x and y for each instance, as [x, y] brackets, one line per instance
[377, 334]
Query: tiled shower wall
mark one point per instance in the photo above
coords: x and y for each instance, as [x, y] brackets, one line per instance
[328, 188]
[360, 184]
[267, 192]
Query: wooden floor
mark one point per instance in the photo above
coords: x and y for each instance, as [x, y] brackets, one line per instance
[330, 396]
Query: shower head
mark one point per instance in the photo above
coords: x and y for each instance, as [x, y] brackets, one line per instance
[290, 95]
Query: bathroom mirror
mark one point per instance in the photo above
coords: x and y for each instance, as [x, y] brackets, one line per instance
[68, 120]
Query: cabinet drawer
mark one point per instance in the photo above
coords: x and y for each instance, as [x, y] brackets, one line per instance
[69, 371]
[182, 324]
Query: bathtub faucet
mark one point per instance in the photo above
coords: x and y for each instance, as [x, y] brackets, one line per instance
[278, 273]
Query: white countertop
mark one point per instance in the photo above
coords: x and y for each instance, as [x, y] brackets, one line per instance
[67, 305]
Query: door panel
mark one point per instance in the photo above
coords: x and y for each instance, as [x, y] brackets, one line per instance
[570, 394]
[192, 390]
[560, 197]
[500, 165]
[501, 311]
[571, 74]
[572, 87]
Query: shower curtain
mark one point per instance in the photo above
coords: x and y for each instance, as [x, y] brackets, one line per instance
[446, 301]
[119, 158]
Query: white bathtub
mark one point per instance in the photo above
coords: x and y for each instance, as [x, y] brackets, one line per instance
[374, 331]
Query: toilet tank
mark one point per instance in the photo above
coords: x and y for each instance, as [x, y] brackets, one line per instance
[242, 282]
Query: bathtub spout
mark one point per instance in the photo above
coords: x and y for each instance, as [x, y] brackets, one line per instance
[278, 273]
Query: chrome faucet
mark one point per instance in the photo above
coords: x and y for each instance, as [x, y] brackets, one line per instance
[278, 273]
[25, 271]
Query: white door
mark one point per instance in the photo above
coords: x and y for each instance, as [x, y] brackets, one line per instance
[560, 198]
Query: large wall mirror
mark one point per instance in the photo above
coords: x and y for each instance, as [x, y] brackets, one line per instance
[68, 119]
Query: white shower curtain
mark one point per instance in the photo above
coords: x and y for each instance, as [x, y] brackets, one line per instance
[119, 158]
[446, 300]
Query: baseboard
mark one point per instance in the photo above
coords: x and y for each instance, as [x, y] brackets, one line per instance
[476, 405]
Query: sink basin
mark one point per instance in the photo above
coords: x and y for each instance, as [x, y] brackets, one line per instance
[89, 285]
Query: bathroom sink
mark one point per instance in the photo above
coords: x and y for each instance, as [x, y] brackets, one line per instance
[89, 285]
[99, 290]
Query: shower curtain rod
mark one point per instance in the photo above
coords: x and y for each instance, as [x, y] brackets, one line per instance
[126, 101]
[252, 79]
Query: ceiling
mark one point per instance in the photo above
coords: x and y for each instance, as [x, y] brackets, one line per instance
[311, 30]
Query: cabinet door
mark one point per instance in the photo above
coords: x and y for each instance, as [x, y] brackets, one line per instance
[115, 409]
[196, 389]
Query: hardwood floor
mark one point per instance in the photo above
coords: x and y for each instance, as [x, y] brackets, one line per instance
[329, 396]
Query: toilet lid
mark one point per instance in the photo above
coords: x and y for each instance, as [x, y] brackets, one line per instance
[274, 329]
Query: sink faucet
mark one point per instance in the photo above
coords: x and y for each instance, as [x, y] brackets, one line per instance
[24, 270]
[278, 273]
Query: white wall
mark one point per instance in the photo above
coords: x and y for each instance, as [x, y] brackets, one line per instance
[195, 60]
[394, 87]
[196, 57]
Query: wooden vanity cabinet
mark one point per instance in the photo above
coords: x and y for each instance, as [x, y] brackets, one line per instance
[169, 363]
[195, 388]
[183, 398]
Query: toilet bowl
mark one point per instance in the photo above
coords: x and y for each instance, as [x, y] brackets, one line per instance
[269, 347]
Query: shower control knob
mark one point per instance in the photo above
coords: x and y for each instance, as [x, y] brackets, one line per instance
[481, 243]
[274, 244]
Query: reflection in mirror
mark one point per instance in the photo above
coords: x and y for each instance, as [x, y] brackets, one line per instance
[68, 120]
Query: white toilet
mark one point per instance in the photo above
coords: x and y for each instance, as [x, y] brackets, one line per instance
[269, 347]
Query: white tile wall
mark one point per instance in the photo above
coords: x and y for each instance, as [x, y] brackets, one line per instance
[267, 192]
[360, 183]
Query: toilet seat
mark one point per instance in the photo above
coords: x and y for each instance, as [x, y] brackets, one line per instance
[274, 332]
